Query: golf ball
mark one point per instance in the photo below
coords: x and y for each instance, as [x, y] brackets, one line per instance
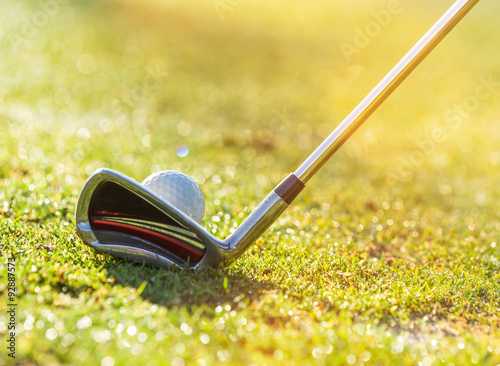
[180, 191]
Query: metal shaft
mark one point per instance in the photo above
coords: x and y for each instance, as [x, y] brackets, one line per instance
[385, 88]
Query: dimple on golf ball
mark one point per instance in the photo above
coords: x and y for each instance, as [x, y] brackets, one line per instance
[179, 190]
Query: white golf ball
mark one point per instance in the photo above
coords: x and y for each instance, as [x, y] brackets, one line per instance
[179, 190]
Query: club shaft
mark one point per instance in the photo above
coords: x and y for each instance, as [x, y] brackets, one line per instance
[385, 88]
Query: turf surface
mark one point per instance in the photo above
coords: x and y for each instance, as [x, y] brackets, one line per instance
[391, 254]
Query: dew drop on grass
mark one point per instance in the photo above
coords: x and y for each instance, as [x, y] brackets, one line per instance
[102, 336]
[59, 325]
[27, 326]
[278, 355]
[84, 323]
[160, 335]
[365, 356]
[204, 338]
[186, 329]
[142, 337]
[68, 340]
[351, 359]
[108, 361]
[136, 349]
[81, 354]
[223, 355]
[180, 348]
[131, 330]
[178, 362]
[51, 334]
[317, 353]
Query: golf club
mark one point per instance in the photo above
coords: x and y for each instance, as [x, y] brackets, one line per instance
[117, 215]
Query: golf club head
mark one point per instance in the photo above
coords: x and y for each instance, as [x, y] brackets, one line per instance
[119, 216]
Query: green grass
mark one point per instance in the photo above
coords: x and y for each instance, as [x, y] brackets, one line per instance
[390, 256]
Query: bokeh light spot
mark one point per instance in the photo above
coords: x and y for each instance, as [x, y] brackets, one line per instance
[304, 131]
[184, 128]
[146, 140]
[58, 74]
[107, 361]
[182, 151]
[86, 63]
[83, 133]
[133, 57]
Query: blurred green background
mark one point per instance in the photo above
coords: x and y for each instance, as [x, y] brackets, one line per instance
[391, 254]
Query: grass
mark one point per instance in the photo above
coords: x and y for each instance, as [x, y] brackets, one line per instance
[390, 256]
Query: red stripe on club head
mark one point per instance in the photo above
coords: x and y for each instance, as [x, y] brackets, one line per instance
[172, 245]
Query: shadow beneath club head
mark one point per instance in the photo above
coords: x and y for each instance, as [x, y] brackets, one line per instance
[173, 287]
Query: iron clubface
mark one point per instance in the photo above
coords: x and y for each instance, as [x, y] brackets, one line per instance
[117, 215]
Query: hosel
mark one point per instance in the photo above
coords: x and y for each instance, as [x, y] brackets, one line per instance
[264, 215]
